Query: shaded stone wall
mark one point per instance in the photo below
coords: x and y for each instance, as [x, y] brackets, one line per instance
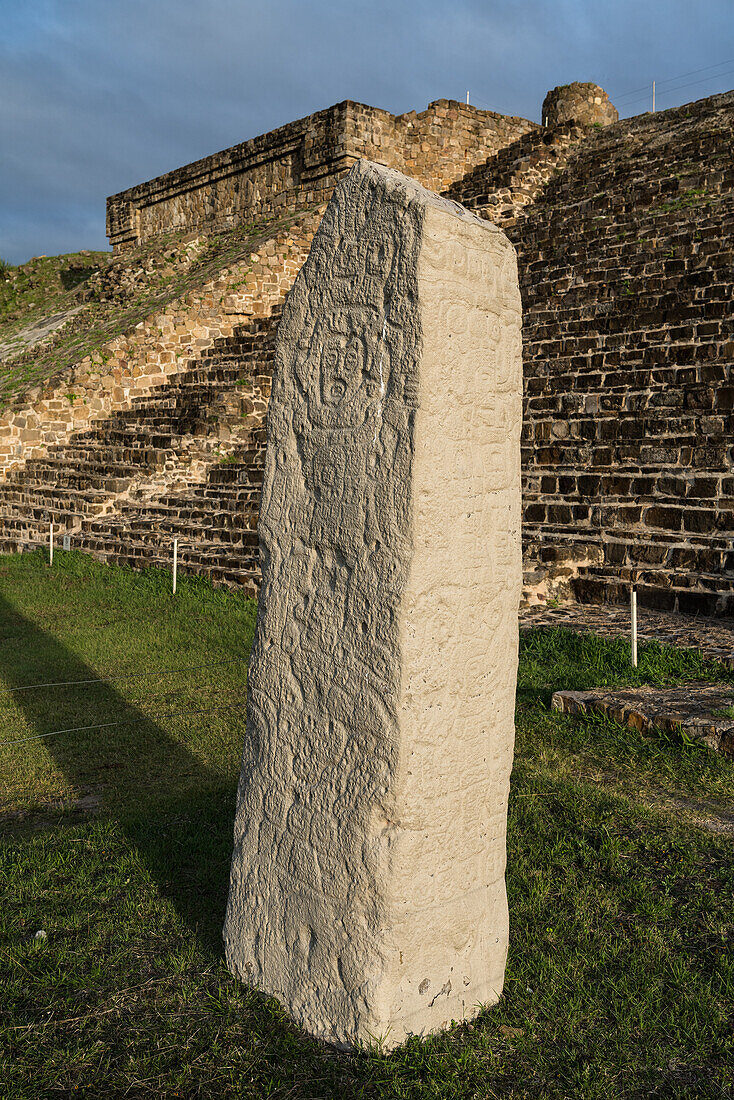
[299, 164]
[626, 272]
[501, 187]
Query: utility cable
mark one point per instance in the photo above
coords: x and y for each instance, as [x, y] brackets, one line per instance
[671, 79]
[678, 88]
[691, 83]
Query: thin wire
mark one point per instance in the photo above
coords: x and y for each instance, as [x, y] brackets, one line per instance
[691, 83]
[122, 722]
[670, 79]
[678, 88]
[115, 679]
[635, 91]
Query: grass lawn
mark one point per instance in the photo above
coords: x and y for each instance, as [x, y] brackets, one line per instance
[116, 841]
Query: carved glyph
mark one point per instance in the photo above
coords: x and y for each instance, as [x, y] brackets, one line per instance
[367, 890]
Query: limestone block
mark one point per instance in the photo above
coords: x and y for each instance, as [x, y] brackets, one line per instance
[367, 887]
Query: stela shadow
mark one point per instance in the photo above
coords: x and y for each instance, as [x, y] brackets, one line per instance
[177, 812]
[184, 839]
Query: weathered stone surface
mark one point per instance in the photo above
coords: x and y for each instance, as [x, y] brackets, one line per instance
[297, 165]
[628, 332]
[367, 890]
[704, 712]
[579, 102]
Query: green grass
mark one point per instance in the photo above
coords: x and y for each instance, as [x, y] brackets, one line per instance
[47, 285]
[43, 285]
[618, 983]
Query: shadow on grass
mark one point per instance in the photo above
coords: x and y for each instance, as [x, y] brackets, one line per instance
[184, 839]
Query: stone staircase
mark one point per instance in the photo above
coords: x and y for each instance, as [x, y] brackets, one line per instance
[627, 276]
[626, 266]
[184, 462]
[505, 184]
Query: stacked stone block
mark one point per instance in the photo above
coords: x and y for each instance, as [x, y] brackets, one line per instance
[504, 185]
[626, 268]
[184, 461]
[298, 165]
[138, 362]
[579, 102]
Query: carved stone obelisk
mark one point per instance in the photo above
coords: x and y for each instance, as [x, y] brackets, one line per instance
[367, 890]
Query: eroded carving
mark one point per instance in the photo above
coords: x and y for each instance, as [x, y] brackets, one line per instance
[343, 753]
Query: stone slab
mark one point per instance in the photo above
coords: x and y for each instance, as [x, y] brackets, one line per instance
[35, 333]
[704, 712]
[367, 888]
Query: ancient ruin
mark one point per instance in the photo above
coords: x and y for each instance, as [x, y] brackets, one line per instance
[367, 890]
[586, 104]
[623, 232]
[297, 166]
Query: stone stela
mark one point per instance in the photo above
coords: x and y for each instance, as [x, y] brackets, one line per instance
[367, 888]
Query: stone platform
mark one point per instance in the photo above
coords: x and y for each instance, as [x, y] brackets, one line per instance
[705, 712]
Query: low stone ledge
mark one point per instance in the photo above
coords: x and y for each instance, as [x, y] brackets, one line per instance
[703, 712]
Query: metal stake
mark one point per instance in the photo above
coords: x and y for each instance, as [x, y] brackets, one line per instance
[175, 564]
[51, 543]
[633, 613]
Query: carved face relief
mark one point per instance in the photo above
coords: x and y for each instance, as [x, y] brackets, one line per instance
[342, 360]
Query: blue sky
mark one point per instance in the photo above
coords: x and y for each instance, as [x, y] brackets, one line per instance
[97, 95]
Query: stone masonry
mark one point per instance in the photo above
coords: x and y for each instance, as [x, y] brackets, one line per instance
[587, 104]
[297, 166]
[624, 238]
[627, 273]
[164, 435]
[367, 889]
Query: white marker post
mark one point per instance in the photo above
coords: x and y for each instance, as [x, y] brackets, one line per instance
[51, 543]
[175, 564]
[633, 613]
[467, 98]
[653, 97]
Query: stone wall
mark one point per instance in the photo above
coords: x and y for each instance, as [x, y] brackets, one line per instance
[578, 102]
[626, 271]
[139, 362]
[624, 243]
[299, 164]
[501, 187]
